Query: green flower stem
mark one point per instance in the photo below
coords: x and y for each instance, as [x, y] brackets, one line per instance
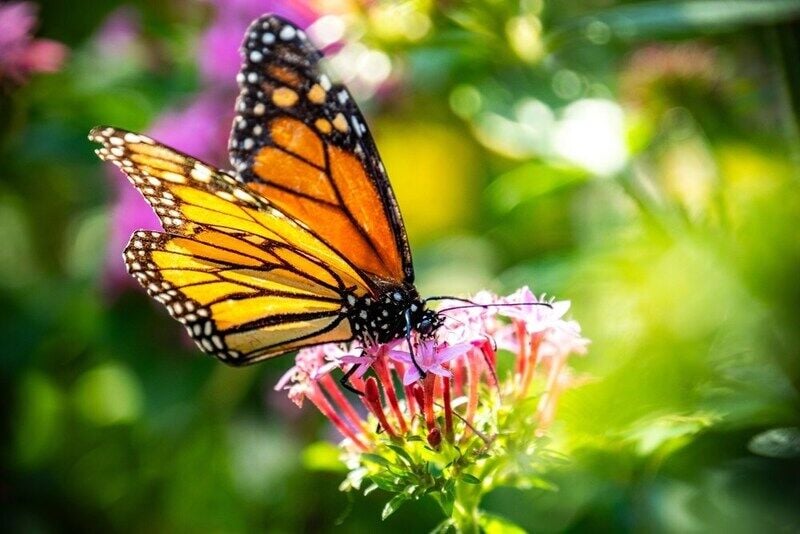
[466, 515]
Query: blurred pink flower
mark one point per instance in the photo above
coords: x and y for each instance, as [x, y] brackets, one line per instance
[655, 73]
[20, 53]
[536, 318]
[128, 214]
[466, 322]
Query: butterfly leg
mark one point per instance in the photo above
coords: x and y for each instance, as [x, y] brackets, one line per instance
[410, 346]
[345, 380]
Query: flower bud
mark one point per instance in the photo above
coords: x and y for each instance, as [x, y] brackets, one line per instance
[434, 438]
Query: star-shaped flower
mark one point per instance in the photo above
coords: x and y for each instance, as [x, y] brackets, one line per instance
[430, 357]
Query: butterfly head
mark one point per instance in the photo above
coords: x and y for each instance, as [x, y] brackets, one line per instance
[428, 322]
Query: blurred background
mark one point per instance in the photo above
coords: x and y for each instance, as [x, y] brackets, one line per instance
[640, 159]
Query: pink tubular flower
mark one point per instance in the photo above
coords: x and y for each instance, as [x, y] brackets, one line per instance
[363, 357]
[466, 322]
[20, 53]
[452, 431]
[524, 306]
[309, 366]
[458, 398]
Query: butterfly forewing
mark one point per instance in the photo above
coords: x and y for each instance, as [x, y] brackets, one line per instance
[301, 141]
[246, 280]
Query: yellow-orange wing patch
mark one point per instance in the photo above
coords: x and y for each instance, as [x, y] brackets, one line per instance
[246, 280]
[300, 141]
[238, 302]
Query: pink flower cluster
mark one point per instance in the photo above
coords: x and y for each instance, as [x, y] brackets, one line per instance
[20, 53]
[460, 367]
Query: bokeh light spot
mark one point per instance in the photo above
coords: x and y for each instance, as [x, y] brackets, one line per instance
[465, 101]
[109, 394]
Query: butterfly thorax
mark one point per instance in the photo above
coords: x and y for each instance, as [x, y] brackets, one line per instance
[385, 317]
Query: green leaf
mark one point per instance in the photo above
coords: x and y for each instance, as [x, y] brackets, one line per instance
[109, 394]
[470, 479]
[649, 20]
[529, 182]
[39, 419]
[443, 527]
[493, 524]
[386, 483]
[446, 498]
[402, 453]
[667, 432]
[434, 470]
[777, 443]
[323, 456]
[372, 487]
[539, 483]
[376, 459]
[392, 506]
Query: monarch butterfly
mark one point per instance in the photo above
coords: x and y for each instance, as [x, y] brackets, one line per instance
[302, 244]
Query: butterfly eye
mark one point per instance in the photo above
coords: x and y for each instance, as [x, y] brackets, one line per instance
[429, 322]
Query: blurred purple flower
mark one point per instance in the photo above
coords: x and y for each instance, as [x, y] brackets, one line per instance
[119, 33]
[129, 213]
[201, 130]
[219, 47]
[20, 53]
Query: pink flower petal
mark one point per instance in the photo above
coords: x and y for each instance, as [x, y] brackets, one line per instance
[441, 371]
[411, 376]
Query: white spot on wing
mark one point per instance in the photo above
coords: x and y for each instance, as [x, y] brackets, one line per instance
[287, 33]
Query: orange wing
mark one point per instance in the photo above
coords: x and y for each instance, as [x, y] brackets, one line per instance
[301, 141]
[247, 281]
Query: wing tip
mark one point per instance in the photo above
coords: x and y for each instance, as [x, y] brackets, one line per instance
[269, 29]
[111, 135]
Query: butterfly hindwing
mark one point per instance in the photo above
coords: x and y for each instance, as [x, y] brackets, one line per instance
[246, 280]
[302, 142]
[236, 307]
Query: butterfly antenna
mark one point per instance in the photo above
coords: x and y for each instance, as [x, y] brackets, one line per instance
[473, 304]
[447, 297]
[489, 338]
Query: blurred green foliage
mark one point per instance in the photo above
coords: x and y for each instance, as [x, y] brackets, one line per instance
[639, 158]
